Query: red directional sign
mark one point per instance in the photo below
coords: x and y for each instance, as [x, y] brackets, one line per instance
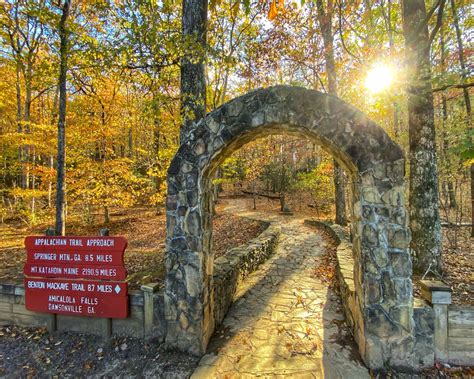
[77, 305]
[75, 271]
[85, 250]
[76, 287]
[76, 243]
[76, 276]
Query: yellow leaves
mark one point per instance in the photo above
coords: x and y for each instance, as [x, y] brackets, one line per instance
[276, 9]
[299, 300]
[273, 12]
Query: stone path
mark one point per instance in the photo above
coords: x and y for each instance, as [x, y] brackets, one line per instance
[285, 322]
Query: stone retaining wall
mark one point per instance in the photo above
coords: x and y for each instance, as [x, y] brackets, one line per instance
[419, 350]
[13, 312]
[461, 335]
[146, 316]
[231, 268]
[344, 272]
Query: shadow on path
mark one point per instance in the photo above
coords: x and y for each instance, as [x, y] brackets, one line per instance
[284, 320]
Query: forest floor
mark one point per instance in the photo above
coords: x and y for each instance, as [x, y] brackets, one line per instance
[458, 266]
[145, 232]
[32, 352]
[458, 249]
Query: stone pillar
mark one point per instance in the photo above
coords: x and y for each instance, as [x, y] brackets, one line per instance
[148, 307]
[439, 295]
[382, 272]
[188, 283]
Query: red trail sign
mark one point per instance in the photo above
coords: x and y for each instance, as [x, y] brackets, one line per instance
[76, 276]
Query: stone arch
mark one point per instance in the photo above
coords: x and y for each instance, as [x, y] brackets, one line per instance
[383, 309]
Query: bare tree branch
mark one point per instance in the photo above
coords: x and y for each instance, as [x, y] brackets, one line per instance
[460, 86]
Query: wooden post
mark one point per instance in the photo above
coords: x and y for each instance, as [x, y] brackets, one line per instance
[105, 323]
[148, 307]
[439, 295]
[52, 320]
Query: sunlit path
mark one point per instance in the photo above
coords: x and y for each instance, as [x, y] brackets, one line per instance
[284, 321]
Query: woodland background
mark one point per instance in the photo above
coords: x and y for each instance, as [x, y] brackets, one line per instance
[123, 99]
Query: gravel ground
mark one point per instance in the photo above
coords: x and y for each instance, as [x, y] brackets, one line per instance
[34, 353]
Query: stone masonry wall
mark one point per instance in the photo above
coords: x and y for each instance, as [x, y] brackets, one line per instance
[421, 352]
[231, 268]
[13, 312]
[380, 235]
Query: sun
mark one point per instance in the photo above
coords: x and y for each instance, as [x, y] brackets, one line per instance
[379, 78]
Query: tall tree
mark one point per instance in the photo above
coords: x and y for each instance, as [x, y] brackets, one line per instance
[423, 197]
[325, 22]
[60, 226]
[467, 100]
[448, 186]
[193, 76]
[23, 31]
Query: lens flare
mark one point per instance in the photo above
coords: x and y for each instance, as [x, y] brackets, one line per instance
[379, 78]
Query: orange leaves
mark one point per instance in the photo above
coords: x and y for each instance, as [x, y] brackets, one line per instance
[273, 12]
[275, 9]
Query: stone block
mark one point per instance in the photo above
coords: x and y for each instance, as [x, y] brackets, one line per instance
[370, 235]
[394, 197]
[435, 292]
[396, 171]
[378, 322]
[380, 257]
[401, 264]
[402, 315]
[22, 317]
[89, 325]
[373, 354]
[399, 216]
[213, 125]
[200, 147]
[193, 280]
[371, 194]
[373, 290]
[398, 238]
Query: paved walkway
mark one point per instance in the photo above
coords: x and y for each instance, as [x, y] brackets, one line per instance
[285, 322]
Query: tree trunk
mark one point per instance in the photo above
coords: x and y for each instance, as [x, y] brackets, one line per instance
[254, 195]
[325, 22]
[282, 201]
[18, 97]
[28, 80]
[60, 227]
[130, 143]
[423, 197]
[106, 215]
[467, 100]
[472, 200]
[444, 109]
[396, 106]
[33, 185]
[193, 77]
[50, 184]
[462, 62]
[22, 178]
